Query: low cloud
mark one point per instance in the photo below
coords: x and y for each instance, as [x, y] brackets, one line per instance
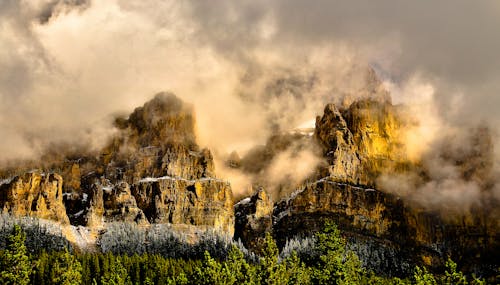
[250, 69]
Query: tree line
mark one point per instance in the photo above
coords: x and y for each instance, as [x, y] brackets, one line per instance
[329, 263]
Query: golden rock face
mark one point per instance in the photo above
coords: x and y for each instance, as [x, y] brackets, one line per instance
[203, 202]
[117, 184]
[365, 140]
[36, 195]
[165, 176]
[362, 140]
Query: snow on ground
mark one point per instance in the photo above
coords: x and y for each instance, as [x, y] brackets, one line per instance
[155, 179]
[6, 180]
[244, 201]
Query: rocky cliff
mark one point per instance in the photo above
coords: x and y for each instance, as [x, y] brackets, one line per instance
[34, 194]
[254, 218]
[152, 171]
[399, 235]
[391, 233]
[362, 141]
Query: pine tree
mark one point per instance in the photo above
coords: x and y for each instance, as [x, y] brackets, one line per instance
[210, 272]
[296, 271]
[331, 247]
[270, 270]
[335, 264]
[41, 269]
[86, 261]
[116, 273]
[67, 269]
[240, 272]
[423, 277]
[15, 263]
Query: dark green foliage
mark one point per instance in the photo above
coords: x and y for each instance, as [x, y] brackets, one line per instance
[335, 264]
[116, 274]
[331, 263]
[15, 264]
[240, 270]
[270, 270]
[296, 272]
[66, 268]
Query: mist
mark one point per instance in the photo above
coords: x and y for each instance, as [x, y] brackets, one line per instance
[250, 69]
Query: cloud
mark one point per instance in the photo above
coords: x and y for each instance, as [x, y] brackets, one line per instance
[249, 68]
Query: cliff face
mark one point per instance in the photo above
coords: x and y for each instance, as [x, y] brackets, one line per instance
[205, 201]
[390, 233]
[152, 171]
[120, 182]
[362, 140]
[34, 194]
[254, 218]
[360, 143]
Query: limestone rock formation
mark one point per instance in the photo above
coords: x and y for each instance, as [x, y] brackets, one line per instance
[253, 218]
[153, 171]
[202, 202]
[362, 141]
[400, 232]
[337, 140]
[34, 194]
[391, 233]
[157, 142]
[120, 205]
[118, 183]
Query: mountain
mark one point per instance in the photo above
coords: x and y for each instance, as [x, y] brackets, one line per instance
[390, 232]
[153, 172]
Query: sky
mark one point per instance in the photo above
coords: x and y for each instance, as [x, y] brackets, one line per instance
[67, 67]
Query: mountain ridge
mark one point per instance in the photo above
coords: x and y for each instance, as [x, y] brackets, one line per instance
[153, 172]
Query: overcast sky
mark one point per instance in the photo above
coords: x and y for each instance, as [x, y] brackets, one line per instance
[66, 66]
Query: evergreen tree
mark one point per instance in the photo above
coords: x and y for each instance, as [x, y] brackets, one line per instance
[452, 276]
[335, 264]
[116, 273]
[67, 269]
[15, 263]
[423, 277]
[296, 271]
[42, 269]
[240, 272]
[270, 271]
[210, 272]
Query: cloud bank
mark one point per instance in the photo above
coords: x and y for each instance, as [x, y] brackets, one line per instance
[249, 67]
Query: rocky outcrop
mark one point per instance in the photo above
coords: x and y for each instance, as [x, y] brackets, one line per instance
[34, 194]
[362, 141]
[154, 172]
[253, 219]
[156, 140]
[399, 232]
[117, 184]
[338, 144]
[120, 205]
[202, 202]
[390, 233]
